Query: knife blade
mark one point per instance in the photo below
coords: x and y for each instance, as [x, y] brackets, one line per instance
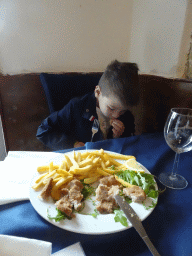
[136, 222]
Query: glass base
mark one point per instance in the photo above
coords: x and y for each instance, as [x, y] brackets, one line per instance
[175, 182]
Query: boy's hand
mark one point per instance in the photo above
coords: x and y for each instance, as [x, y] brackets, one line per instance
[118, 128]
[79, 144]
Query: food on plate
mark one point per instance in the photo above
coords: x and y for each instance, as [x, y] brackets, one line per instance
[132, 164]
[135, 193]
[46, 192]
[71, 197]
[70, 183]
[105, 192]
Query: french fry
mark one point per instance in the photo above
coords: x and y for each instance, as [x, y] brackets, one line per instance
[107, 163]
[40, 177]
[56, 192]
[91, 180]
[84, 155]
[109, 170]
[102, 173]
[63, 166]
[62, 172]
[68, 161]
[56, 179]
[46, 179]
[85, 163]
[120, 157]
[62, 181]
[78, 157]
[74, 155]
[44, 168]
[93, 173]
[96, 160]
[121, 167]
[36, 186]
[51, 167]
[74, 162]
[98, 152]
[79, 177]
[124, 183]
[90, 157]
[102, 164]
[49, 175]
[113, 161]
[80, 170]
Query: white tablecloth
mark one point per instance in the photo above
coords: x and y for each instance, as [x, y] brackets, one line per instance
[16, 173]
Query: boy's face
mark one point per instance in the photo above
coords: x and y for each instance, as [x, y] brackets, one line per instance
[109, 105]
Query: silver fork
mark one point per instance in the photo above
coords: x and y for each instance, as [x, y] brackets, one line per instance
[95, 128]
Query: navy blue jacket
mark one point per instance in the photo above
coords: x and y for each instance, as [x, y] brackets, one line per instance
[73, 123]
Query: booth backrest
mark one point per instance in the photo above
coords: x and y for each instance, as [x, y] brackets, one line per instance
[60, 89]
[25, 105]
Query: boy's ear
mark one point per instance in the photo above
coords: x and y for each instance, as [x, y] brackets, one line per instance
[97, 91]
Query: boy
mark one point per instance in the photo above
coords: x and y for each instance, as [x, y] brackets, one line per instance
[70, 127]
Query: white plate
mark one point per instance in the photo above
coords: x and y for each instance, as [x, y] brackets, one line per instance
[84, 224]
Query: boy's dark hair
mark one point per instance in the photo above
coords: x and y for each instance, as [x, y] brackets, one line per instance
[121, 79]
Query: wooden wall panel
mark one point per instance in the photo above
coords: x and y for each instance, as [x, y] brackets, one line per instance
[158, 96]
[24, 107]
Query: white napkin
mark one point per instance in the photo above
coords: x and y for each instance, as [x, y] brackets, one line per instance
[72, 250]
[15, 179]
[16, 172]
[20, 246]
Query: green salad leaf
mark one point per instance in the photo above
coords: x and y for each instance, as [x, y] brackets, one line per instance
[120, 217]
[87, 191]
[150, 206]
[60, 216]
[144, 180]
[95, 214]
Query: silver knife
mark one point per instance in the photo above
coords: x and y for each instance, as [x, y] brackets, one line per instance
[137, 224]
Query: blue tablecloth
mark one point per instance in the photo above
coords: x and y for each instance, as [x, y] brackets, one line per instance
[169, 226]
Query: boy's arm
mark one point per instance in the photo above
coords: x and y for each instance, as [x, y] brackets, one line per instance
[78, 144]
[55, 131]
[55, 140]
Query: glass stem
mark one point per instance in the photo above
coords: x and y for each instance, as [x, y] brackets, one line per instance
[175, 166]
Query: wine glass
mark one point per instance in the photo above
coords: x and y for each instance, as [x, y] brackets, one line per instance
[178, 135]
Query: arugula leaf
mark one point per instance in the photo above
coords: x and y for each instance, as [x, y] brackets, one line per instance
[127, 199]
[150, 206]
[120, 217]
[87, 191]
[95, 214]
[144, 180]
[153, 193]
[60, 216]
